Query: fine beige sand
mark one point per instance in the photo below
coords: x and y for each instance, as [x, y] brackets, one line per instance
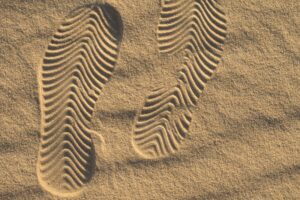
[168, 99]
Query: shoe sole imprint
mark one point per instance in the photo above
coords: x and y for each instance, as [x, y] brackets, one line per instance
[197, 27]
[79, 61]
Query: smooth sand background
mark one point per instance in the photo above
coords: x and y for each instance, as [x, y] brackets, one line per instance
[245, 135]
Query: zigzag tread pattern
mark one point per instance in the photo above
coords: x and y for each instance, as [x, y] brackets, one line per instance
[197, 27]
[162, 124]
[78, 62]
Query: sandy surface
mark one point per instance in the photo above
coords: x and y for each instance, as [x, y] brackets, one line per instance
[244, 139]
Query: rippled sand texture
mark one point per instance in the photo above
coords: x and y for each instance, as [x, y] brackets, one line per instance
[149, 99]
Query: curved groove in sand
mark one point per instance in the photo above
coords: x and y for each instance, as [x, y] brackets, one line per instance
[197, 27]
[79, 61]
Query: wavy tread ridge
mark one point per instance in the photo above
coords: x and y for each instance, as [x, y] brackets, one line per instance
[197, 27]
[79, 61]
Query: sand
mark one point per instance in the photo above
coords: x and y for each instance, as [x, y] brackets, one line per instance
[230, 127]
